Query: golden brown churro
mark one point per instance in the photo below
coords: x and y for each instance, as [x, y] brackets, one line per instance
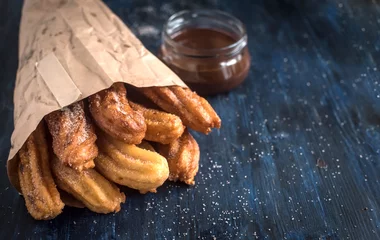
[89, 187]
[112, 113]
[183, 158]
[37, 185]
[162, 127]
[73, 136]
[131, 166]
[194, 111]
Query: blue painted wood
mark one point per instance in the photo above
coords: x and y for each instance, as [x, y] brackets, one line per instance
[312, 96]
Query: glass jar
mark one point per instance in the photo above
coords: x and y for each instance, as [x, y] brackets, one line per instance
[207, 49]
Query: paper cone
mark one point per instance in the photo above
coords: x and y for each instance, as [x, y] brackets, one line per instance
[69, 50]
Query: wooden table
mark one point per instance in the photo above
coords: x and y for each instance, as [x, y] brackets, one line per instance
[298, 154]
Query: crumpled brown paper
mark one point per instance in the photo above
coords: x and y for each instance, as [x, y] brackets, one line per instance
[69, 50]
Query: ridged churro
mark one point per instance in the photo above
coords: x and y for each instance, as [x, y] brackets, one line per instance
[183, 158]
[162, 127]
[41, 195]
[73, 136]
[91, 188]
[112, 113]
[194, 111]
[131, 166]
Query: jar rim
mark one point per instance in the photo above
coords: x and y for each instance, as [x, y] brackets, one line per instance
[238, 45]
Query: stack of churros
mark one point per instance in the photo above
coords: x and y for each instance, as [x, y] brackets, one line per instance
[79, 155]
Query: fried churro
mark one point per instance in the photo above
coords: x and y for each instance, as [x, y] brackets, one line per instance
[91, 188]
[183, 158]
[162, 127]
[73, 136]
[194, 111]
[41, 195]
[112, 113]
[131, 166]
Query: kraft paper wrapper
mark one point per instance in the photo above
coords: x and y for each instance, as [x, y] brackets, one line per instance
[69, 50]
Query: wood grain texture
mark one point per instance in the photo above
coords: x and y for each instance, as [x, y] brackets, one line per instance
[312, 96]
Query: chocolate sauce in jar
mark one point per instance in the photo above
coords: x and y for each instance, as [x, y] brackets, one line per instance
[208, 60]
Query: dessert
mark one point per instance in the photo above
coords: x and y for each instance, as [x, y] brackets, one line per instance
[194, 111]
[73, 136]
[131, 166]
[91, 188]
[183, 158]
[41, 195]
[112, 113]
[162, 127]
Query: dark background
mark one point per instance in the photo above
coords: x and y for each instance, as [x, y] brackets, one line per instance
[312, 96]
